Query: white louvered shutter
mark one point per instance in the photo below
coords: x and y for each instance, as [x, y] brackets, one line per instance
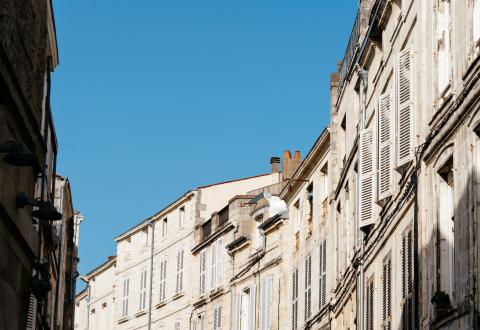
[239, 311]
[295, 299]
[387, 294]
[385, 145]
[217, 318]
[252, 311]
[405, 113]
[407, 319]
[322, 296]
[369, 311]
[219, 267]
[203, 257]
[213, 276]
[367, 178]
[266, 296]
[32, 313]
[476, 21]
[180, 255]
[308, 287]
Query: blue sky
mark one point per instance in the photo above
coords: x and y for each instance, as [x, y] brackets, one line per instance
[153, 98]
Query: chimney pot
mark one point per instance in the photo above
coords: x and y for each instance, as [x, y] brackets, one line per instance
[297, 155]
[287, 155]
[275, 161]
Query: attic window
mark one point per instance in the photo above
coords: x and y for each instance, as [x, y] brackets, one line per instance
[206, 229]
[223, 216]
[259, 218]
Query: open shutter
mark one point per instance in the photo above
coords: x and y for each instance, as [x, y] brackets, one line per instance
[476, 21]
[32, 313]
[387, 294]
[366, 177]
[295, 299]
[323, 274]
[269, 298]
[385, 145]
[369, 321]
[308, 287]
[219, 268]
[252, 308]
[239, 311]
[404, 97]
[213, 275]
[203, 256]
[407, 280]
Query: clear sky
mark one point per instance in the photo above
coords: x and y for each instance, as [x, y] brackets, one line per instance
[154, 97]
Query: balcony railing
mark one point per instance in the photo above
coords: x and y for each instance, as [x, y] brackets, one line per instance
[350, 53]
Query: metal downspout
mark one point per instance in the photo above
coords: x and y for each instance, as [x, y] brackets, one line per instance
[361, 279]
[232, 256]
[149, 324]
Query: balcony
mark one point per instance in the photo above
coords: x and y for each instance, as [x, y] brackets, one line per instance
[350, 53]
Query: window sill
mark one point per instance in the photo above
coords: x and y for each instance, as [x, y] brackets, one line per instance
[216, 292]
[178, 295]
[141, 313]
[123, 319]
[160, 305]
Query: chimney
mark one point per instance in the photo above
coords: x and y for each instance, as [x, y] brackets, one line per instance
[289, 165]
[275, 162]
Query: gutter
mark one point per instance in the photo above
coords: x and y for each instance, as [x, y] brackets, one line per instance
[149, 324]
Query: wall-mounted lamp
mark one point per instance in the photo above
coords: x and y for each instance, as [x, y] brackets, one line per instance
[45, 210]
[17, 154]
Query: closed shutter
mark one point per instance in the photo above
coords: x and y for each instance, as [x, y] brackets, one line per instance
[32, 313]
[252, 308]
[385, 145]
[369, 311]
[126, 289]
[267, 286]
[404, 97]
[239, 311]
[476, 21]
[163, 280]
[180, 256]
[366, 177]
[219, 268]
[387, 294]
[213, 276]
[203, 257]
[217, 318]
[294, 299]
[308, 287]
[322, 296]
[407, 280]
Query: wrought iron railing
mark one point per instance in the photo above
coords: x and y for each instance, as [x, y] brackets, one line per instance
[352, 48]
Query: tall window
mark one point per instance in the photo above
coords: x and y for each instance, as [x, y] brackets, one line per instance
[369, 310]
[308, 287]
[295, 299]
[179, 286]
[443, 44]
[125, 295]
[246, 309]
[217, 318]
[203, 271]
[181, 216]
[200, 322]
[164, 227]
[387, 294]
[267, 290]
[163, 279]
[446, 226]
[142, 302]
[323, 274]
[217, 263]
[324, 183]
[296, 215]
[407, 279]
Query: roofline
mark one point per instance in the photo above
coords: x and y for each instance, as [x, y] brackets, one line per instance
[323, 138]
[81, 293]
[154, 217]
[236, 180]
[102, 267]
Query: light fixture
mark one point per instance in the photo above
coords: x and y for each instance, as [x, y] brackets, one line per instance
[40, 288]
[17, 154]
[45, 210]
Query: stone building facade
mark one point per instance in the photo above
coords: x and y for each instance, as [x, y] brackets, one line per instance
[37, 227]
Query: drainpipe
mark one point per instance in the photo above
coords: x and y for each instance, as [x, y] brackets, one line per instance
[232, 256]
[361, 238]
[149, 324]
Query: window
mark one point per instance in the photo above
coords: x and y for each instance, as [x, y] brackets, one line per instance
[446, 225]
[203, 273]
[323, 274]
[223, 216]
[199, 322]
[126, 289]
[324, 180]
[206, 229]
[385, 145]
[164, 227]
[217, 318]
[294, 299]
[387, 294]
[369, 308]
[267, 290]
[443, 45]
[145, 236]
[310, 202]
[405, 113]
[163, 279]
[181, 217]
[179, 286]
[217, 263]
[407, 279]
[142, 302]
[308, 287]
[178, 325]
[246, 310]
[296, 215]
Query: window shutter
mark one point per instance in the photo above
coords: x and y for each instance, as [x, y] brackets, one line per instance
[203, 257]
[32, 313]
[308, 287]
[385, 148]
[239, 311]
[294, 299]
[323, 274]
[366, 177]
[220, 250]
[213, 275]
[404, 97]
[252, 308]
[266, 296]
[387, 294]
[407, 280]
[369, 321]
[476, 21]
